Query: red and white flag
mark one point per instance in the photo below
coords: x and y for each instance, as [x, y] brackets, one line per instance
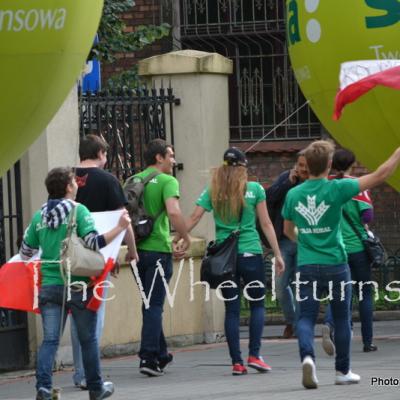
[359, 77]
[364, 197]
[20, 280]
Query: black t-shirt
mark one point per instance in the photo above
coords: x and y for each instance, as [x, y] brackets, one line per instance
[98, 190]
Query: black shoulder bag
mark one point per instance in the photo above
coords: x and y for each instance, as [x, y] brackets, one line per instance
[219, 263]
[372, 245]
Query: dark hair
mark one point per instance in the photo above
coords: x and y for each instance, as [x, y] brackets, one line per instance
[154, 147]
[342, 160]
[57, 181]
[300, 153]
[318, 154]
[90, 145]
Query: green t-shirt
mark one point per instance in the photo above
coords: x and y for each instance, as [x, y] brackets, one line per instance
[39, 235]
[353, 209]
[315, 207]
[156, 192]
[249, 240]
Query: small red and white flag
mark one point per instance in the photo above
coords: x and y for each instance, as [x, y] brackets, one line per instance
[359, 77]
[364, 197]
[20, 280]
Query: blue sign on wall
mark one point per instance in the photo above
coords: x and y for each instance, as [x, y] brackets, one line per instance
[91, 78]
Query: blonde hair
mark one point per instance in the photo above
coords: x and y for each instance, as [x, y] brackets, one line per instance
[318, 154]
[228, 185]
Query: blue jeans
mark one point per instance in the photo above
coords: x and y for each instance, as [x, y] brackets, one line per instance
[360, 269]
[50, 304]
[322, 275]
[284, 292]
[79, 372]
[153, 345]
[249, 269]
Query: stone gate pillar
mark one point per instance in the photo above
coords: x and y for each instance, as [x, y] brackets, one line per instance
[201, 134]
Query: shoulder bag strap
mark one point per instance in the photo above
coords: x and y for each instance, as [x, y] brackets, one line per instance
[242, 209]
[150, 177]
[70, 229]
[71, 222]
[145, 182]
[350, 222]
[240, 220]
[241, 216]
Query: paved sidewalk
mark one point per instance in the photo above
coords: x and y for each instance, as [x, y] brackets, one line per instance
[204, 372]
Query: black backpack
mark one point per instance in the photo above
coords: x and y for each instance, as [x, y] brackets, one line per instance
[142, 222]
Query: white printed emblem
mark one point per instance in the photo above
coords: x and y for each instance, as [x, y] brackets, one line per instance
[311, 213]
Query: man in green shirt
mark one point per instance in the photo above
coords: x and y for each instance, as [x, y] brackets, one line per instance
[312, 214]
[161, 201]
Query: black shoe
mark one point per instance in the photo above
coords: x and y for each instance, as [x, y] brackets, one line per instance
[165, 361]
[106, 391]
[43, 394]
[150, 368]
[370, 347]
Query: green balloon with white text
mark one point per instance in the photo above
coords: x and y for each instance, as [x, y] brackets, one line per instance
[43, 49]
[321, 35]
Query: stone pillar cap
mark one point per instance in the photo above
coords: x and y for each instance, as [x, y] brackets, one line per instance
[185, 62]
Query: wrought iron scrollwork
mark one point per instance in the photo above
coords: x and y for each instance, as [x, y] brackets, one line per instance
[127, 120]
[263, 91]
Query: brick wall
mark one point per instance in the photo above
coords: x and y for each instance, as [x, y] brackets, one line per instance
[265, 167]
[143, 13]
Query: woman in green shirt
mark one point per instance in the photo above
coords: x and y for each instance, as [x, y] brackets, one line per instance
[356, 213]
[229, 196]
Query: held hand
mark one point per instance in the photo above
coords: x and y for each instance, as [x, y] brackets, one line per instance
[176, 238]
[279, 265]
[115, 270]
[293, 176]
[185, 244]
[131, 255]
[177, 251]
[124, 220]
[179, 248]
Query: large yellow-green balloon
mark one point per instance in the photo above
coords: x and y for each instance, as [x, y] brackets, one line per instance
[324, 33]
[43, 47]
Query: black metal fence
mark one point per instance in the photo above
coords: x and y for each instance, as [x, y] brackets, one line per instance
[11, 224]
[128, 120]
[14, 352]
[387, 274]
[263, 90]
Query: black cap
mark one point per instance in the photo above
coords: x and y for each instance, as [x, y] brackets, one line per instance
[235, 157]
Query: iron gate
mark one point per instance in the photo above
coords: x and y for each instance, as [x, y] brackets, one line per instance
[262, 90]
[14, 350]
[127, 120]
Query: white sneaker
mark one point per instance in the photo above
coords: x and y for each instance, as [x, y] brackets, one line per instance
[310, 380]
[327, 343]
[348, 379]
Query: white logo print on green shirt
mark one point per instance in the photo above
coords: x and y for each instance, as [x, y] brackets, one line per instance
[311, 213]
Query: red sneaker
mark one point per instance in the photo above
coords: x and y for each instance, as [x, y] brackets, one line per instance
[258, 364]
[239, 369]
